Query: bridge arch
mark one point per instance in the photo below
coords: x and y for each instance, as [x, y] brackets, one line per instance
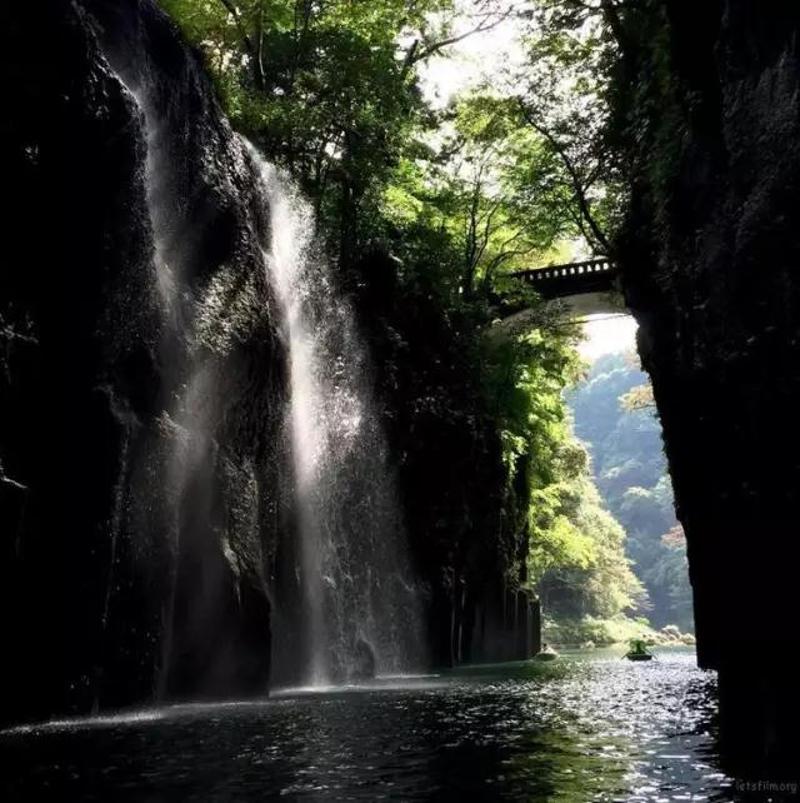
[584, 289]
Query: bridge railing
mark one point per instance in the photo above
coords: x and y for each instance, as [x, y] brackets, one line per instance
[554, 272]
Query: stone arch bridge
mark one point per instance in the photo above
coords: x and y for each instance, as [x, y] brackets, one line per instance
[586, 288]
[593, 276]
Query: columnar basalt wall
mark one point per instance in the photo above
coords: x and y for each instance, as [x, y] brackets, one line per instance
[708, 103]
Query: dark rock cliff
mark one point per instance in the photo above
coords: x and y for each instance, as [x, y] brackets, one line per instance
[468, 537]
[141, 380]
[709, 102]
[145, 526]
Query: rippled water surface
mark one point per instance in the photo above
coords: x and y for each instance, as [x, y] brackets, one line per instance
[579, 729]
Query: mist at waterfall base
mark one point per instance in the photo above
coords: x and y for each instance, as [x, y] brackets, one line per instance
[358, 599]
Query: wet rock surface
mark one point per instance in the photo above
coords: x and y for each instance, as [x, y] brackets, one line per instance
[141, 409]
[709, 265]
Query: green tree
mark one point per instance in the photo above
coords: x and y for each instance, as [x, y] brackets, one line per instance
[328, 89]
[624, 441]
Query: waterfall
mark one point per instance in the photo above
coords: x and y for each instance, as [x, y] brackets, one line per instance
[358, 598]
[240, 488]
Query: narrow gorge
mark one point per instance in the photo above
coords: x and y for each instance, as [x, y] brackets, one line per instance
[289, 481]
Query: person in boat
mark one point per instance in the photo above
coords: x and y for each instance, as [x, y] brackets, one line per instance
[547, 653]
[638, 647]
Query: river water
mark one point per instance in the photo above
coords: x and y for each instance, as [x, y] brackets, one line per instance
[586, 727]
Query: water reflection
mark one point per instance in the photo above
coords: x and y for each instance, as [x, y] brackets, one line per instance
[574, 730]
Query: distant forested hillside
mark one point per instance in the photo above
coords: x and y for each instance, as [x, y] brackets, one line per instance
[615, 419]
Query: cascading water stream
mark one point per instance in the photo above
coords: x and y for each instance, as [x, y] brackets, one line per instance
[351, 607]
[358, 597]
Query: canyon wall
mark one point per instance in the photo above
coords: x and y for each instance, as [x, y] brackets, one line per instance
[707, 100]
[142, 381]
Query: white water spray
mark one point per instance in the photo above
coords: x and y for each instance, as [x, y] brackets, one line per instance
[353, 563]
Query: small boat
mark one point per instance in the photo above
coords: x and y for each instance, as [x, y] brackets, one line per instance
[638, 650]
[546, 654]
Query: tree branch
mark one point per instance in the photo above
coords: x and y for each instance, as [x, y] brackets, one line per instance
[578, 187]
[415, 54]
[250, 46]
